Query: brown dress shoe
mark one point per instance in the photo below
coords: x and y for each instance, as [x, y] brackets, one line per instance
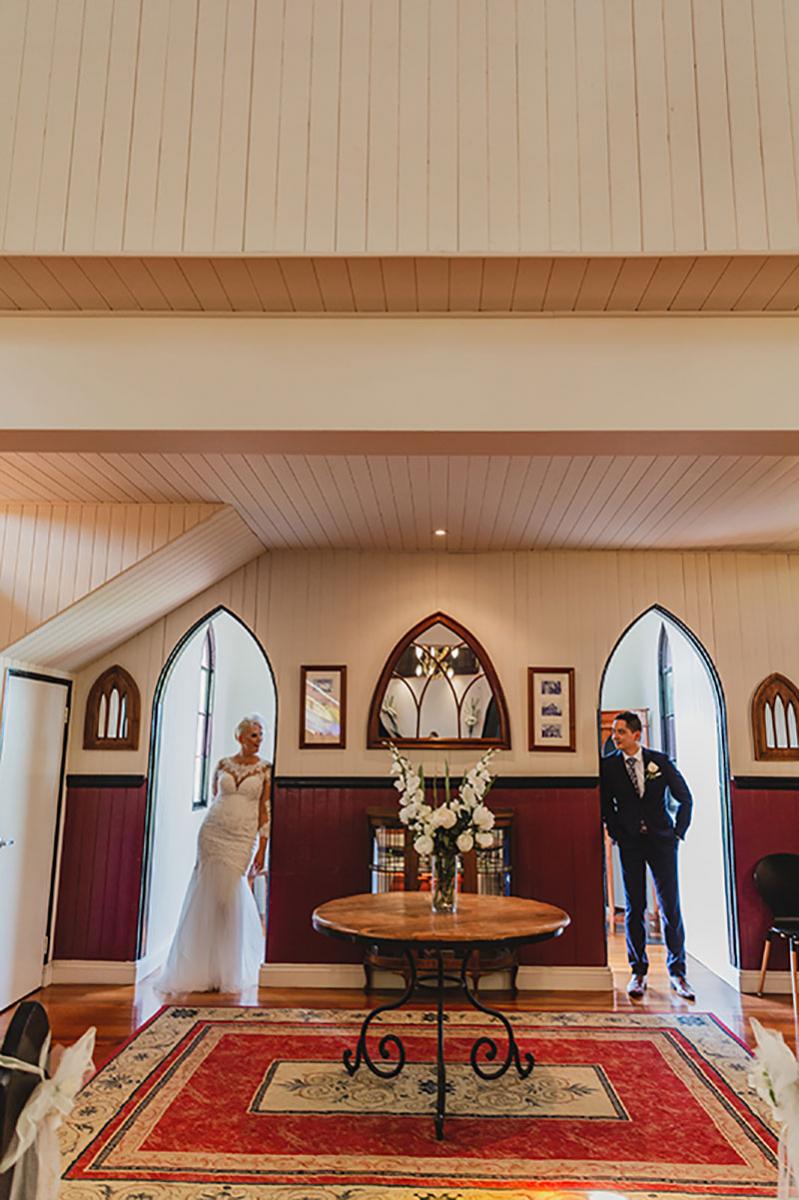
[682, 987]
[636, 987]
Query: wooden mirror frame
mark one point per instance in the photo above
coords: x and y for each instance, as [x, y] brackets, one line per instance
[766, 693]
[376, 741]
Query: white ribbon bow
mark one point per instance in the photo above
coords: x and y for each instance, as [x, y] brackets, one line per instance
[46, 1108]
[776, 1080]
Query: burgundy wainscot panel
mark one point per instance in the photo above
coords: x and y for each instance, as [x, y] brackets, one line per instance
[765, 820]
[101, 864]
[320, 850]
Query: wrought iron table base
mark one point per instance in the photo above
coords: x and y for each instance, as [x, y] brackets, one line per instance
[485, 1048]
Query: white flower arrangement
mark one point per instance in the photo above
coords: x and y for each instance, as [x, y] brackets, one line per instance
[454, 826]
[775, 1078]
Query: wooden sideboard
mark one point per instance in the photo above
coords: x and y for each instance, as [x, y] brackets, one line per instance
[394, 866]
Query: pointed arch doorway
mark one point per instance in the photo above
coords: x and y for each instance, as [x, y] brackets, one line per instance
[215, 674]
[659, 669]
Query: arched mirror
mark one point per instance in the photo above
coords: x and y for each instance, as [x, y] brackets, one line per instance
[438, 686]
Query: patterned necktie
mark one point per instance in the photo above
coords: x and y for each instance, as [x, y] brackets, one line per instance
[631, 771]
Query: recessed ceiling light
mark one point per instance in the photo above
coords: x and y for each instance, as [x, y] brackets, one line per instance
[440, 532]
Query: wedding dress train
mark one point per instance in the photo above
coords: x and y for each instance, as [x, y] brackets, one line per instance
[219, 941]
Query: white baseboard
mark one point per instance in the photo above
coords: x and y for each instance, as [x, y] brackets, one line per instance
[75, 970]
[565, 979]
[776, 981]
[311, 975]
[350, 975]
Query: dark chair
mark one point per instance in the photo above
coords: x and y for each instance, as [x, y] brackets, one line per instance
[24, 1040]
[777, 880]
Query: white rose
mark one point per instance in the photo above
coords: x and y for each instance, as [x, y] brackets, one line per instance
[465, 843]
[448, 817]
[483, 817]
[423, 844]
[484, 840]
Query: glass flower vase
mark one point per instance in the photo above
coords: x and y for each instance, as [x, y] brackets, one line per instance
[446, 870]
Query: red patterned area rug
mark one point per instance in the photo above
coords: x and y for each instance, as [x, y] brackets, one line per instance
[254, 1104]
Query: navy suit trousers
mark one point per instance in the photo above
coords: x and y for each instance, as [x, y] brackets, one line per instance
[660, 852]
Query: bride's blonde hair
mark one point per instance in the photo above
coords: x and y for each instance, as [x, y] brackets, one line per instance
[246, 722]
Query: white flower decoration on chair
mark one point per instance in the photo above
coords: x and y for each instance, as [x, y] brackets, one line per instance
[48, 1105]
[775, 1078]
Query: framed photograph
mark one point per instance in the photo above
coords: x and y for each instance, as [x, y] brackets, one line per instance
[550, 700]
[323, 708]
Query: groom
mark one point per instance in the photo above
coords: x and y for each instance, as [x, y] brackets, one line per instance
[633, 784]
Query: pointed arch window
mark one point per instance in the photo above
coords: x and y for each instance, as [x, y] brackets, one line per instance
[205, 718]
[438, 686]
[113, 710]
[775, 717]
[668, 729]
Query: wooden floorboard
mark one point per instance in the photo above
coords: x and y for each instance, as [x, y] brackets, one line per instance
[117, 1012]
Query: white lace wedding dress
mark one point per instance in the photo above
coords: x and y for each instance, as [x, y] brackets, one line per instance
[219, 941]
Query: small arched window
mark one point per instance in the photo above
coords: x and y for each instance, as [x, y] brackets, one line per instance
[775, 719]
[113, 711]
[205, 715]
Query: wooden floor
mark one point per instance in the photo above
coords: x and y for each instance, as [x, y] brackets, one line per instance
[119, 1011]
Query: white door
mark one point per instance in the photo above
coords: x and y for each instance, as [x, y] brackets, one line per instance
[34, 712]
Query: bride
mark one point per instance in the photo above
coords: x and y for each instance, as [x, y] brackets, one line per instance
[219, 942]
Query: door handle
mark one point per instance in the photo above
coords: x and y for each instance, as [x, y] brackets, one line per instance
[3, 843]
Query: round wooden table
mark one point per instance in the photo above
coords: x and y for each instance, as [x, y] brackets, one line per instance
[405, 922]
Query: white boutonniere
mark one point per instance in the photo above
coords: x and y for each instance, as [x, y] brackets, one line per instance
[652, 770]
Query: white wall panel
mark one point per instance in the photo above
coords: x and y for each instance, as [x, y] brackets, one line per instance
[412, 148]
[234, 128]
[653, 136]
[742, 92]
[777, 136]
[206, 117]
[683, 134]
[175, 133]
[13, 22]
[714, 125]
[443, 123]
[525, 608]
[31, 104]
[419, 126]
[592, 125]
[563, 173]
[118, 107]
[323, 123]
[292, 157]
[53, 554]
[148, 108]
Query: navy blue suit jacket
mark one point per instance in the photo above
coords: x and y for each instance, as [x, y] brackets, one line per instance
[623, 809]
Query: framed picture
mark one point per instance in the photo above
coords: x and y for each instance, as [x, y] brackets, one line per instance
[323, 708]
[550, 699]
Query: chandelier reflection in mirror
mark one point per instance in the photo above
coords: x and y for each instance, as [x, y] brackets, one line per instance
[438, 685]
